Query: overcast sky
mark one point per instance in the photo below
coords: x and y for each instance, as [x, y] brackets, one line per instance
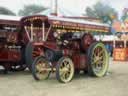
[74, 6]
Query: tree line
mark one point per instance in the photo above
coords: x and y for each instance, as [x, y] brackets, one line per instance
[100, 10]
[27, 10]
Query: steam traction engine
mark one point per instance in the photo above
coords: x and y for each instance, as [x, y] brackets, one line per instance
[63, 46]
[11, 49]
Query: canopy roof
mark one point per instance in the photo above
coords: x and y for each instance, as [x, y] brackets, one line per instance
[11, 20]
[67, 23]
[77, 21]
[7, 17]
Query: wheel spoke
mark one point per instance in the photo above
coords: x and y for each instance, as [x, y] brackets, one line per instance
[42, 68]
[68, 66]
[101, 52]
[94, 54]
[65, 63]
[62, 75]
[98, 59]
[65, 70]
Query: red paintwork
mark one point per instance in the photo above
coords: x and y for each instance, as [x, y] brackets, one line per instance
[10, 22]
[9, 55]
[75, 48]
[49, 45]
[10, 43]
[127, 53]
[80, 61]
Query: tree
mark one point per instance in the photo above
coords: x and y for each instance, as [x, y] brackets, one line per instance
[6, 11]
[90, 12]
[102, 11]
[125, 15]
[31, 9]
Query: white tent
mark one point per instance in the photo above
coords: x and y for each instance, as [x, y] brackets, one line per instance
[106, 37]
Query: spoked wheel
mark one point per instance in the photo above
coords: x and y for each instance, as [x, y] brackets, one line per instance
[64, 70]
[41, 68]
[98, 60]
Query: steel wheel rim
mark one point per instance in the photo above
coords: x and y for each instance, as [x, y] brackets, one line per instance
[66, 70]
[99, 59]
[42, 67]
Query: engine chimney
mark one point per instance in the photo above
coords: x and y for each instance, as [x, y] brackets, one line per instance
[54, 8]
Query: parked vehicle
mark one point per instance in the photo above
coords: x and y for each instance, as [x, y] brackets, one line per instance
[11, 46]
[64, 46]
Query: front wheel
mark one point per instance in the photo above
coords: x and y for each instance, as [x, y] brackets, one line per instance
[41, 68]
[98, 60]
[64, 70]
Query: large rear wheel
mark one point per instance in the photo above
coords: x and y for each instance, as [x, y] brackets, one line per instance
[98, 60]
[41, 68]
[64, 70]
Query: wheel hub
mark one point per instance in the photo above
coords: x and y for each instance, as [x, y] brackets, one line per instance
[65, 69]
